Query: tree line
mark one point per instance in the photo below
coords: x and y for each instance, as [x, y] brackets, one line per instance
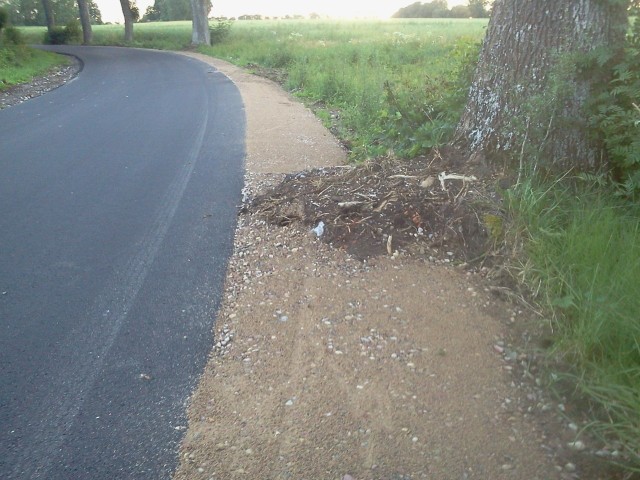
[34, 12]
[440, 9]
[28, 13]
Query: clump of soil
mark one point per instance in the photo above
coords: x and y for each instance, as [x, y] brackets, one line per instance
[427, 206]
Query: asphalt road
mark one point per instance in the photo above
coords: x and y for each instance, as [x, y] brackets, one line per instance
[118, 195]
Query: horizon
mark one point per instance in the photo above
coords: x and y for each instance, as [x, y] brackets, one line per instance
[338, 9]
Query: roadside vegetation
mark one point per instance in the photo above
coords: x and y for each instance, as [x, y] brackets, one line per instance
[398, 88]
[383, 86]
[19, 63]
[161, 35]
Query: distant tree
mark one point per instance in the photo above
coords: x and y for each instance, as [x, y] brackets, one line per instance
[170, 10]
[151, 14]
[410, 11]
[478, 8]
[25, 12]
[94, 13]
[34, 12]
[135, 12]
[460, 11]
[434, 9]
[440, 9]
[4, 18]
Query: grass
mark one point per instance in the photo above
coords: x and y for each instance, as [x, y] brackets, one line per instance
[19, 64]
[386, 78]
[161, 36]
[583, 251]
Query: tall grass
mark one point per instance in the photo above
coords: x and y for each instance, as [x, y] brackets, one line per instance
[396, 84]
[161, 36]
[19, 64]
[583, 248]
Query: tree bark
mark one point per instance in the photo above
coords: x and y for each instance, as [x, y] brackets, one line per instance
[48, 15]
[128, 20]
[85, 21]
[527, 91]
[200, 23]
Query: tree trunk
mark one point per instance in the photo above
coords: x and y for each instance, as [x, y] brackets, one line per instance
[85, 20]
[48, 15]
[527, 91]
[128, 20]
[200, 24]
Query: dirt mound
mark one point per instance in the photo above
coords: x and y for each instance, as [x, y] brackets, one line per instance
[425, 206]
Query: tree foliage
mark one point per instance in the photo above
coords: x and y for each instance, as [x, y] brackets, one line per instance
[616, 114]
[31, 12]
[170, 10]
[440, 9]
[433, 9]
[478, 8]
[4, 18]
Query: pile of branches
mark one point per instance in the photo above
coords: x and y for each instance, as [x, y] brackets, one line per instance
[388, 205]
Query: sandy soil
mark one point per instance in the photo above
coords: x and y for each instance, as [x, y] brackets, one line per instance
[327, 367]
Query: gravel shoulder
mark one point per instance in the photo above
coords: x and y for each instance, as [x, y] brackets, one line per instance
[57, 77]
[328, 367]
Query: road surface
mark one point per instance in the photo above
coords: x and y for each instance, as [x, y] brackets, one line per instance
[118, 197]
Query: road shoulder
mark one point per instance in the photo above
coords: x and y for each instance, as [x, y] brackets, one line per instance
[329, 367]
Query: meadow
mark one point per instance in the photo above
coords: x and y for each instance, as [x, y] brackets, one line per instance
[399, 87]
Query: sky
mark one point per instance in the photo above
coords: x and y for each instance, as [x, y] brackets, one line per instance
[111, 12]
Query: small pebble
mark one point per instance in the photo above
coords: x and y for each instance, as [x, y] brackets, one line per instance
[578, 446]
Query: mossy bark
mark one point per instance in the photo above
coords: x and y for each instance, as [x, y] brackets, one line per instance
[527, 90]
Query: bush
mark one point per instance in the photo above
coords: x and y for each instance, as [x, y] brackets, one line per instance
[617, 116]
[70, 33]
[12, 36]
[74, 31]
[55, 36]
[4, 18]
[220, 31]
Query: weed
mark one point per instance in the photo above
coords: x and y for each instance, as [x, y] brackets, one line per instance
[583, 251]
[220, 30]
